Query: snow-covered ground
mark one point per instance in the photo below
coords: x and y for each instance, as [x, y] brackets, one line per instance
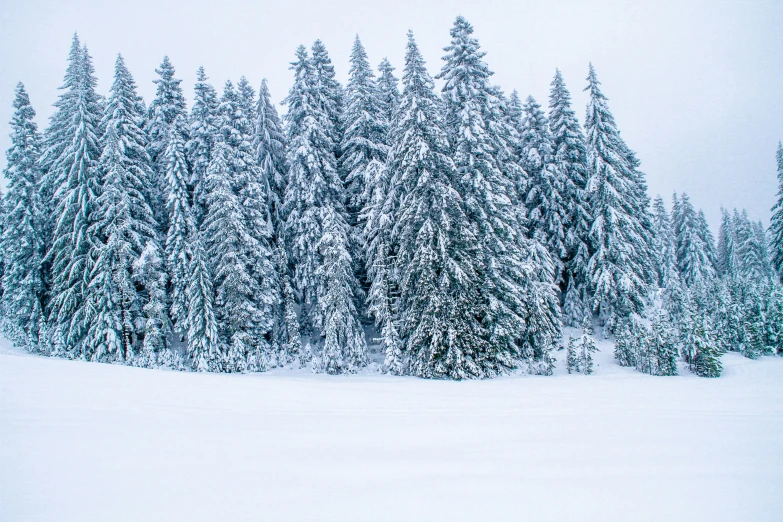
[93, 442]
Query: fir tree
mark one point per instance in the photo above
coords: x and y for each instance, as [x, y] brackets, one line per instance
[617, 270]
[572, 361]
[700, 344]
[316, 223]
[693, 250]
[203, 343]
[378, 220]
[366, 129]
[776, 222]
[488, 192]
[434, 242]
[166, 109]
[570, 156]
[149, 271]
[328, 94]
[586, 348]
[198, 150]
[72, 182]
[726, 256]
[624, 346]
[21, 242]
[122, 226]
[226, 247]
[544, 197]
[237, 125]
[663, 345]
[388, 90]
[664, 245]
[344, 348]
[180, 227]
[269, 146]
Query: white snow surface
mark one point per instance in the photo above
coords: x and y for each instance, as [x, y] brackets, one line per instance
[93, 442]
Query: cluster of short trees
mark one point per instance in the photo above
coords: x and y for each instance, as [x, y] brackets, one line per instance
[469, 226]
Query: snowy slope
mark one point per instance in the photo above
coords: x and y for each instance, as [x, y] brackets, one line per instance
[92, 442]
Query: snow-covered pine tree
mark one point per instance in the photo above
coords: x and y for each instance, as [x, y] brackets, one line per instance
[198, 150]
[625, 346]
[204, 350]
[762, 247]
[365, 130]
[776, 221]
[329, 94]
[751, 251]
[289, 336]
[436, 249]
[487, 188]
[774, 324]
[180, 226]
[122, 226]
[547, 186]
[664, 245]
[226, 237]
[726, 255]
[570, 156]
[693, 252]
[344, 348]
[237, 232]
[168, 107]
[149, 270]
[247, 100]
[378, 219]
[663, 345]
[238, 120]
[388, 89]
[708, 240]
[269, 146]
[586, 348]
[700, 344]
[618, 269]
[572, 363]
[21, 243]
[72, 182]
[753, 345]
[313, 201]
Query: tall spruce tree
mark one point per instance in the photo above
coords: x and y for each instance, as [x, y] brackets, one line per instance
[664, 245]
[198, 150]
[72, 183]
[570, 155]
[204, 350]
[21, 243]
[435, 244]
[726, 255]
[693, 251]
[122, 226]
[180, 227]
[269, 146]
[544, 196]
[617, 271]
[243, 265]
[487, 188]
[167, 108]
[776, 222]
[316, 227]
[365, 130]
[388, 89]
[328, 93]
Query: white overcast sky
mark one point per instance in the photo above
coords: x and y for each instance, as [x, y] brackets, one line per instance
[695, 86]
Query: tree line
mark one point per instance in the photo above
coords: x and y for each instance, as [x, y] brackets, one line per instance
[458, 232]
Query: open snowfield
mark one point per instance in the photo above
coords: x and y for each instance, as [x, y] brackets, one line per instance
[92, 442]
